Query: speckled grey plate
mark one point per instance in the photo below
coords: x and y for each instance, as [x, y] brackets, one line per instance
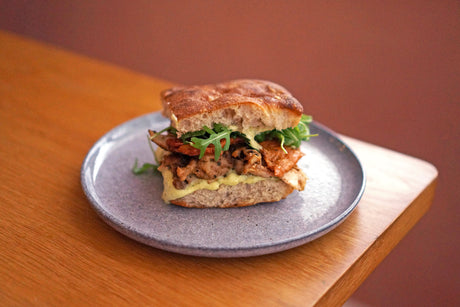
[133, 206]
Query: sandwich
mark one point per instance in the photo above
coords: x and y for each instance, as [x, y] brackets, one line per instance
[230, 144]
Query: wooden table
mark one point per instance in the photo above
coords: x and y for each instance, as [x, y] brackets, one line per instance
[54, 249]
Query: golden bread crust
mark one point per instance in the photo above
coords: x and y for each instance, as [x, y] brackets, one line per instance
[264, 98]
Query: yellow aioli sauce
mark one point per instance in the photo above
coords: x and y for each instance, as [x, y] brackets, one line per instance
[232, 178]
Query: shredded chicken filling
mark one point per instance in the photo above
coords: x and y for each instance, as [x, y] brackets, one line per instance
[271, 161]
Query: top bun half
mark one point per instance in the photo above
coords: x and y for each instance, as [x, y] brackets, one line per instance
[247, 106]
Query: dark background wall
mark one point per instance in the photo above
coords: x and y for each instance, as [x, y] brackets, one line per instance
[386, 72]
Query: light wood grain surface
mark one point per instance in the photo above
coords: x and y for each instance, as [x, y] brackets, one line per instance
[54, 249]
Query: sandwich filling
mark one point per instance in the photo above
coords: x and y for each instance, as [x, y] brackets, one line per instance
[208, 158]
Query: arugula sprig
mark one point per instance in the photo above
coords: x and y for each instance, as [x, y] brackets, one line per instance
[137, 170]
[292, 137]
[205, 137]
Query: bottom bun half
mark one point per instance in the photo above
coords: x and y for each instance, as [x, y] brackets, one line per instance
[239, 195]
